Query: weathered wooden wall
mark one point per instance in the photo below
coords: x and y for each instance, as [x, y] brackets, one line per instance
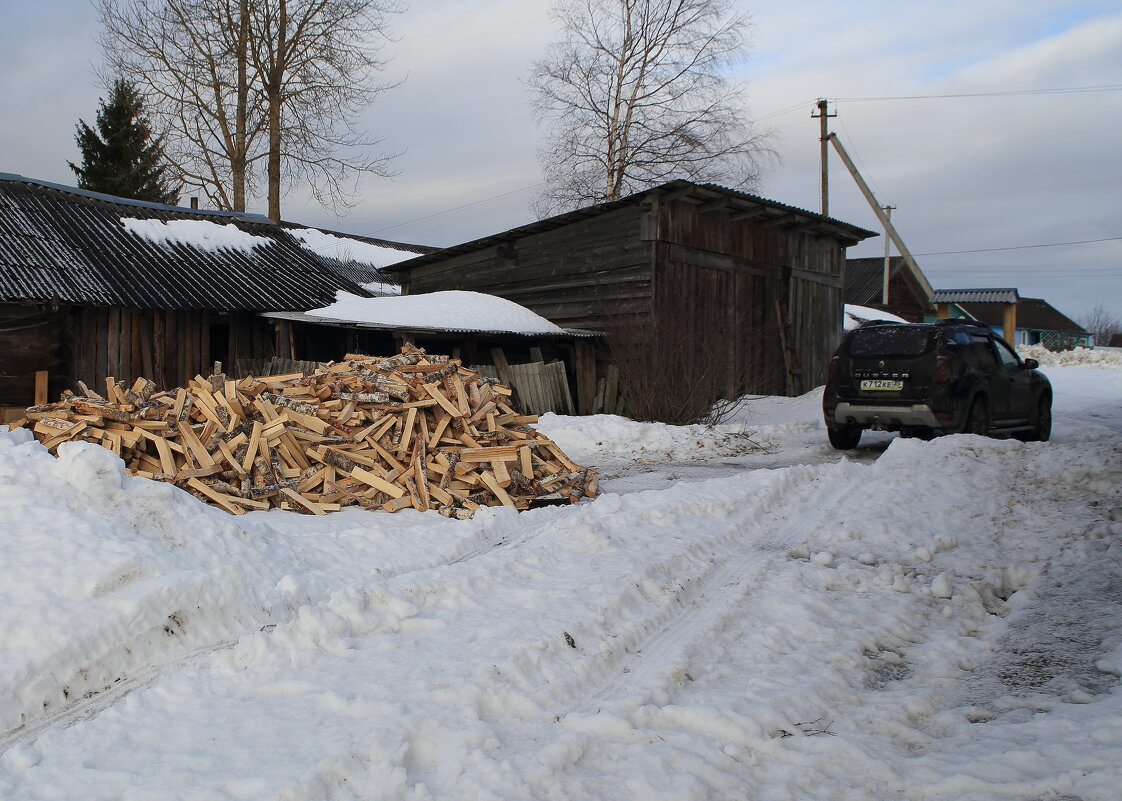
[169, 347]
[742, 287]
[583, 275]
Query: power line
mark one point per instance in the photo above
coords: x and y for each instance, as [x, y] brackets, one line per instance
[459, 208]
[1021, 247]
[1070, 90]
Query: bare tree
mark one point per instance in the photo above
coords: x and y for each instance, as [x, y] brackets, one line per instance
[1101, 323]
[190, 58]
[316, 60]
[246, 88]
[635, 93]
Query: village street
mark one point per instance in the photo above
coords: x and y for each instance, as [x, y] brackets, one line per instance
[744, 613]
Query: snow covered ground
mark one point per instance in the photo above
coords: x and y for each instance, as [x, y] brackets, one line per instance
[744, 613]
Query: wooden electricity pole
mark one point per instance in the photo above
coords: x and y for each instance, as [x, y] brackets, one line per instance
[885, 221]
[822, 116]
[887, 259]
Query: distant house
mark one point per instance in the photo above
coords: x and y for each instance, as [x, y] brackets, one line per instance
[1038, 323]
[93, 286]
[909, 292]
[697, 289]
[1033, 321]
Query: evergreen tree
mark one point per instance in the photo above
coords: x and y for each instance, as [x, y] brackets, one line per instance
[123, 157]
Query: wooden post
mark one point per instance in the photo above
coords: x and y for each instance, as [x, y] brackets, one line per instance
[502, 366]
[942, 310]
[40, 387]
[1009, 324]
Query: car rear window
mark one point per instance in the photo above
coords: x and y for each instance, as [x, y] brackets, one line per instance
[889, 341]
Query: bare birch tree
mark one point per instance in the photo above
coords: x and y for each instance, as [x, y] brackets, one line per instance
[636, 93]
[249, 91]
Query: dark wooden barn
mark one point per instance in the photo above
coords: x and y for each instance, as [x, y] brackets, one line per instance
[909, 292]
[701, 292]
[94, 286]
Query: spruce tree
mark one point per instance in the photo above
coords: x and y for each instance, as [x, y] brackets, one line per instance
[123, 157]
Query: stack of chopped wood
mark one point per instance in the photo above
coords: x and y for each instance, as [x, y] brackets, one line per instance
[412, 431]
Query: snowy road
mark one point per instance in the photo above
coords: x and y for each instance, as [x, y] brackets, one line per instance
[743, 614]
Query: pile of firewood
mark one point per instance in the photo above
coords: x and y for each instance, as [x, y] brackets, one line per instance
[412, 431]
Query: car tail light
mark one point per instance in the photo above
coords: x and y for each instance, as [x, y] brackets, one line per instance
[942, 370]
[832, 372]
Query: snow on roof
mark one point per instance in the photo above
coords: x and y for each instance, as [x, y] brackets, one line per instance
[452, 310]
[201, 234]
[343, 249]
[855, 315]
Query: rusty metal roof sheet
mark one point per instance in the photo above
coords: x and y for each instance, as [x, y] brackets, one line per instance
[69, 245]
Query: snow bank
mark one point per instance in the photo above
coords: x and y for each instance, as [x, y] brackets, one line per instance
[201, 234]
[454, 310]
[1078, 357]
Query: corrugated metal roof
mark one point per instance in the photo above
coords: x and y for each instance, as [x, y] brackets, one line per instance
[840, 230]
[66, 244]
[1006, 295]
[864, 278]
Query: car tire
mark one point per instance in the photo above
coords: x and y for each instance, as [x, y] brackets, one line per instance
[1042, 426]
[977, 419]
[844, 439]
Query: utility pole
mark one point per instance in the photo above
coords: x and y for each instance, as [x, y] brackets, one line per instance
[887, 261]
[823, 137]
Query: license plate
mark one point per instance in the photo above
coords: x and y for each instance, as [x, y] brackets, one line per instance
[882, 385]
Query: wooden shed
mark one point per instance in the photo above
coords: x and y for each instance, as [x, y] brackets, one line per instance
[701, 293]
[93, 286]
[909, 292]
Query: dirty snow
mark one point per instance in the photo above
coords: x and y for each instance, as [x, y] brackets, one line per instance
[201, 234]
[455, 310]
[743, 613]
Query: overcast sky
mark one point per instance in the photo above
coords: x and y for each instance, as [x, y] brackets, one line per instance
[1014, 168]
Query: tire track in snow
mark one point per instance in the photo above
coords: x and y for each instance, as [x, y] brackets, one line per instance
[666, 644]
[130, 678]
[95, 702]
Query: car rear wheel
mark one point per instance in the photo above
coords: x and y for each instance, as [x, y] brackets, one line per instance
[845, 438]
[1042, 429]
[977, 419]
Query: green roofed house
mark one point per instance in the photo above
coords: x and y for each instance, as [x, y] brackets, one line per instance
[1022, 321]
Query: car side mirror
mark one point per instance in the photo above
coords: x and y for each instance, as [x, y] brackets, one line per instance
[1030, 364]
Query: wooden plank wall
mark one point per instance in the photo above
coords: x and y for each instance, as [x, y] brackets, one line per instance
[579, 276]
[168, 346]
[788, 264]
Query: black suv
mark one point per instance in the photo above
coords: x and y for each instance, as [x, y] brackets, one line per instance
[927, 379]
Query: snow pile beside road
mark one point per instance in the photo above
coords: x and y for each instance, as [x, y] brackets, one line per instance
[607, 437]
[1078, 357]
